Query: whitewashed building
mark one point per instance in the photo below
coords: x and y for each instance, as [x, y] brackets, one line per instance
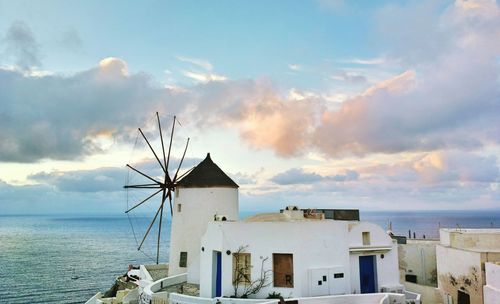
[305, 257]
[202, 196]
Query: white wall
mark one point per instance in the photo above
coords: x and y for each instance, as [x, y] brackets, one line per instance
[176, 298]
[492, 287]
[378, 237]
[492, 275]
[386, 268]
[198, 207]
[314, 244]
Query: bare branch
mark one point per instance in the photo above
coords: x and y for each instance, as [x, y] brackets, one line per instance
[241, 275]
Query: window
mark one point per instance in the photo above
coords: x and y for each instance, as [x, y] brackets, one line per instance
[242, 268]
[283, 269]
[366, 238]
[183, 259]
[179, 208]
[176, 192]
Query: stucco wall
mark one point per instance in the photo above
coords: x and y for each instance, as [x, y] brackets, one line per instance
[378, 237]
[471, 239]
[492, 287]
[198, 207]
[310, 247]
[459, 269]
[418, 257]
[386, 267]
[314, 244]
[493, 275]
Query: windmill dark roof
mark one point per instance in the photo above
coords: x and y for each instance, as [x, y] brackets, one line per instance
[206, 174]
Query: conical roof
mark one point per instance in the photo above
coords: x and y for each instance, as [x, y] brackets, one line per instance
[206, 174]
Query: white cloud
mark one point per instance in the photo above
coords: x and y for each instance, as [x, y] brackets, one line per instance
[205, 64]
[349, 77]
[56, 117]
[297, 176]
[367, 61]
[450, 99]
[113, 66]
[295, 94]
[204, 77]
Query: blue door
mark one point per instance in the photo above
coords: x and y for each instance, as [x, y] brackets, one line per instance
[218, 278]
[367, 273]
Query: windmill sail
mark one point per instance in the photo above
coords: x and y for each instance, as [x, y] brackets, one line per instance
[163, 183]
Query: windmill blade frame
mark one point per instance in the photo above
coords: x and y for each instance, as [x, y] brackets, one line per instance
[166, 186]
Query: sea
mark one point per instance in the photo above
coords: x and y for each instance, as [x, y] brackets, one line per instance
[69, 258]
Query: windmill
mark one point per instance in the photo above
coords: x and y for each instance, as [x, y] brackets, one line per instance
[164, 184]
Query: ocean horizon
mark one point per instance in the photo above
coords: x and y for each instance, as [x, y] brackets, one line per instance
[67, 258]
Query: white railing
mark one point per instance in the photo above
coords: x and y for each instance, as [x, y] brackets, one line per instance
[150, 292]
[145, 273]
[176, 298]
[379, 298]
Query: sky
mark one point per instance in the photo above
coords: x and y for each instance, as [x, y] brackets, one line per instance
[373, 105]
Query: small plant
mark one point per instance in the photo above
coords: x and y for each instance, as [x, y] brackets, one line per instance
[274, 295]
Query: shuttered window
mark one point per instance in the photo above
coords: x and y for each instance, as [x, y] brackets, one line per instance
[183, 259]
[242, 268]
[283, 269]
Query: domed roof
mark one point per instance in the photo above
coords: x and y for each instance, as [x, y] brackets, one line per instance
[206, 174]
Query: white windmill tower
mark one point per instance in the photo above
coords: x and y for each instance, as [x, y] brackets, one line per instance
[203, 195]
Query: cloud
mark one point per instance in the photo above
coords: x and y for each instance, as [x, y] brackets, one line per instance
[368, 61]
[46, 199]
[113, 67]
[67, 116]
[435, 180]
[109, 179]
[299, 176]
[295, 67]
[349, 77]
[99, 180]
[203, 77]
[296, 176]
[264, 118]
[59, 117]
[243, 178]
[295, 94]
[205, 64]
[457, 166]
[450, 168]
[20, 44]
[450, 100]
[426, 31]
[413, 32]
